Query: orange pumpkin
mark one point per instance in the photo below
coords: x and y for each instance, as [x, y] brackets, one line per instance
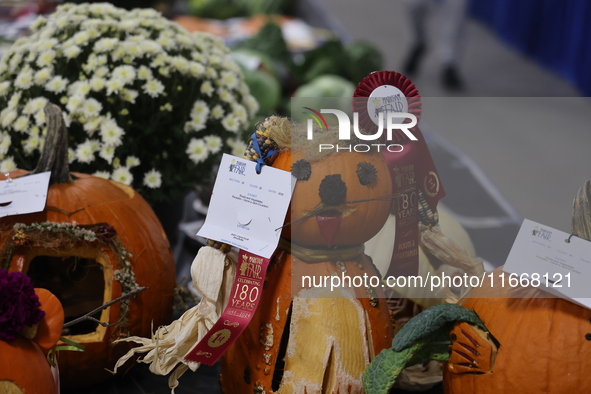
[25, 370]
[82, 275]
[49, 330]
[545, 343]
[299, 344]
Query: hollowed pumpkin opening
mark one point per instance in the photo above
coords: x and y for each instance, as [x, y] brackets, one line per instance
[81, 279]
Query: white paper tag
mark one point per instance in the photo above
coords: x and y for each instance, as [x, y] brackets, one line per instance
[247, 208]
[26, 194]
[561, 262]
[386, 99]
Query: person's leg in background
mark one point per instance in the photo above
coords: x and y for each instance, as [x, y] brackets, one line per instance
[418, 11]
[453, 15]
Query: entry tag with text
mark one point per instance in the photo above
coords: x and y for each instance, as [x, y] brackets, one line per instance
[27, 194]
[247, 209]
[555, 261]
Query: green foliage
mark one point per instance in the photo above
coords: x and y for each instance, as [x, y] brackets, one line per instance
[269, 41]
[363, 59]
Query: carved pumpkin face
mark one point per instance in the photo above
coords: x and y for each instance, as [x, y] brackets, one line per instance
[549, 337]
[82, 274]
[324, 208]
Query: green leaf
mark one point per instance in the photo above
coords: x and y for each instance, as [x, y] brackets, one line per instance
[380, 375]
[430, 321]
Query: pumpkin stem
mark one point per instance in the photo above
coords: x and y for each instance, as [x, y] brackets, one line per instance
[54, 156]
[581, 221]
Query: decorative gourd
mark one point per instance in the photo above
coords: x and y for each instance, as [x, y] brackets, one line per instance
[82, 274]
[545, 342]
[297, 343]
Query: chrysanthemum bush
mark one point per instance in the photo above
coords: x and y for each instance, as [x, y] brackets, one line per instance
[146, 103]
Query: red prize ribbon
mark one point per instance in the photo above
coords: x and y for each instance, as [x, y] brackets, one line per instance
[246, 294]
[410, 169]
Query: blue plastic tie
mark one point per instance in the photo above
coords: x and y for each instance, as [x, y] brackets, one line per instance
[261, 160]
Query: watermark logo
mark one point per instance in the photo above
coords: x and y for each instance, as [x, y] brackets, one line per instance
[238, 167]
[393, 121]
[541, 233]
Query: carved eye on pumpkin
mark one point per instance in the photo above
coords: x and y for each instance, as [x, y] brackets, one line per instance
[302, 170]
[366, 173]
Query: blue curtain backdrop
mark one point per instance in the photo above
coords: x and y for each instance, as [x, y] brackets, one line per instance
[557, 33]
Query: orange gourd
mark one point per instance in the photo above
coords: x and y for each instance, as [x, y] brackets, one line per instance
[82, 276]
[49, 330]
[299, 344]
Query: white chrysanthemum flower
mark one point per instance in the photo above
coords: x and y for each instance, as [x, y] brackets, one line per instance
[128, 24]
[43, 75]
[240, 112]
[111, 133]
[5, 144]
[38, 24]
[8, 116]
[213, 143]
[97, 83]
[231, 123]
[85, 153]
[107, 153]
[79, 87]
[15, 62]
[21, 124]
[45, 45]
[101, 72]
[229, 79]
[153, 88]
[196, 69]
[160, 61]
[122, 175]
[144, 73]
[124, 73]
[166, 42]
[217, 112]
[92, 124]
[238, 148]
[95, 145]
[118, 53]
[81, 38]
[74, 102]
[207, 88]
[91, 108]
[132, 161]
[197, 150]
[40, 118]
[105, 45]
[225, 95]
[35, 105]
[200, 108]
[132, 49]
[102, 174]
[252, 104]
[57, 84]
[72, 51]
[7, 164]
[71, 155]
[114, 85]
[151, 47]
[4, 87]
[24, 79]
[211, 73]
[46, 58]
[180, 63]
[14, 99]
[198, 57]
[129, 95]
[153, 179]
[31, 144]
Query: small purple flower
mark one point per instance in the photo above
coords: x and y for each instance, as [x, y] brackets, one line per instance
[105, 232]
[19, 305]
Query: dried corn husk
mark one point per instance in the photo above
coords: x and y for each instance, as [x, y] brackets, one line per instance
[213, 275]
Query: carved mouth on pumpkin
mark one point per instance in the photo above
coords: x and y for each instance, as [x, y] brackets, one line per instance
[329, 223]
